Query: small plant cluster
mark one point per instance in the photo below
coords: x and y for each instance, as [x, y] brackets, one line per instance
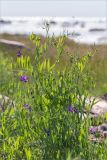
[47, 121]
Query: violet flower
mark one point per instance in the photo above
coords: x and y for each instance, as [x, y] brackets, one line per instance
[27, 107]
[93, 129]
[23, 78]
[72, 109]
[19, 54]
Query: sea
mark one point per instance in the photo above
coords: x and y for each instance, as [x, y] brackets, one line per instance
[87, 30]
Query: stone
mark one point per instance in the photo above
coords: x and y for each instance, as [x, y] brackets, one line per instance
[99, 108]
[13, 43]
[98, 112]
[103, 127]
[5, 102]
[66, 24]
[104, 96]
[3, 22]
[82, 24]
[97, 30]
[75, 23]
[52, 22]
[105, 134]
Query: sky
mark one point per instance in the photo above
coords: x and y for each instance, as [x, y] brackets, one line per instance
[63, 8]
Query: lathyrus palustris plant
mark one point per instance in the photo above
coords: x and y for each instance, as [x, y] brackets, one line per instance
[47, 122]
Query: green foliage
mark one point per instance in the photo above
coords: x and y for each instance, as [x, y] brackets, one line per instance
[45, 128]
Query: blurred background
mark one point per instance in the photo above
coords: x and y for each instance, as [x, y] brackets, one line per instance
[84, 20]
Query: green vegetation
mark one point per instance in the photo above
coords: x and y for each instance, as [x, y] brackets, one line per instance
[47, 121]
[98, 62]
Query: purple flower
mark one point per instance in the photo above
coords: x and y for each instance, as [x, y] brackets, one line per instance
[72, 109]
[27, 107]
[23, 78]
[93, 129]
[19, 54]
